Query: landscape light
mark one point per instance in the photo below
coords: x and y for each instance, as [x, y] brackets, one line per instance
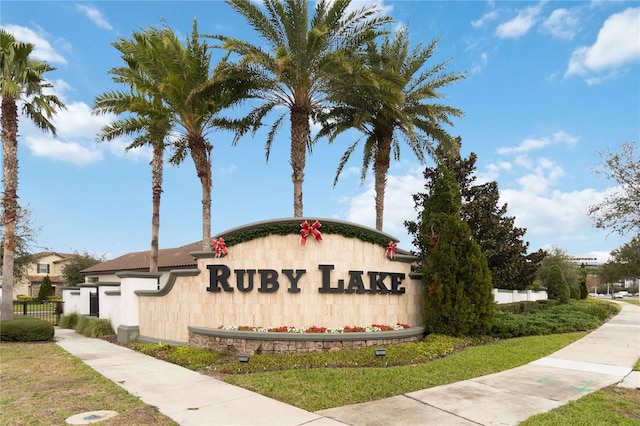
[243, 358]
[381, 352]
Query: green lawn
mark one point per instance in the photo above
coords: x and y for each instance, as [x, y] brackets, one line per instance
[320, 388]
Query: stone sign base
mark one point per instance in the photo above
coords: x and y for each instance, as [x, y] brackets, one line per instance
[250, 343]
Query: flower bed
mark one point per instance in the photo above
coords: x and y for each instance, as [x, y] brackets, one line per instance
[314, 329]
[260, 340]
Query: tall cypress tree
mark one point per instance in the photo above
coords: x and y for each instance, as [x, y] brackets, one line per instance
[455, 275]
[500, 240]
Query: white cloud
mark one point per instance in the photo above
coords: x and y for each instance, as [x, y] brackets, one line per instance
[521, 24]
[531, 144]
[481, 63]
[492, 172]
[526, 146]
[550, 216]
[617, 44]
[561, 24]
[602, 256]
[555, 217]
[398, 204]
[94, 15]
[76, 129]
[226, 170]
[43, 50]
[524, 161]
[78, 121]
[489, 16]
[68, 152]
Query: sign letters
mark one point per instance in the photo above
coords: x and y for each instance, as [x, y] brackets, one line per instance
[222, 278]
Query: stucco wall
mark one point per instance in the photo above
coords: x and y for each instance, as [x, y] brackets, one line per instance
[167, 315]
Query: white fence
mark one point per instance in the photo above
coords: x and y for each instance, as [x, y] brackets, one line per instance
[511, 296]
[117, 302]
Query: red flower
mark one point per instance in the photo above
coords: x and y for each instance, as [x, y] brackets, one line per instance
[382, 327]
[314, 329]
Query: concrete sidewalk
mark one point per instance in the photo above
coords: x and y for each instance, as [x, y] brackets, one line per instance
[602, 358]
[187, 397]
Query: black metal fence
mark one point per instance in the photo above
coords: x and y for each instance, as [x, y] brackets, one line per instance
[48, 311]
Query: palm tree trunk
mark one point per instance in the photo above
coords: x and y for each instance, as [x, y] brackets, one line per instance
[200, 151]
[299, 137]
[156, 185]
[9, 200]
[380, 169]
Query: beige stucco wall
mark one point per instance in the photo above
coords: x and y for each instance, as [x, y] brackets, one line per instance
[188, 303]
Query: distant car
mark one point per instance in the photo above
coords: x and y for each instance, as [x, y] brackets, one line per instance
[619, 295]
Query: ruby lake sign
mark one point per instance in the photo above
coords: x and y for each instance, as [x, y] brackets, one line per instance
[302, 273]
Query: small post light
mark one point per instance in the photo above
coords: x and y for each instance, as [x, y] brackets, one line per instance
[243, 358]
[381, 352]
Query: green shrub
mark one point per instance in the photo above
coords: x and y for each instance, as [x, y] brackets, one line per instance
[557, 287]
[547, 303]
[432, 347]
[583, 290]
[94, 327]
[84, 322]
[46, 290]
[526, 306]
[574, 290]
[185, 356]
[26, 329]
[101, 327]
[559, 318]
[69, 321]
[25, 298]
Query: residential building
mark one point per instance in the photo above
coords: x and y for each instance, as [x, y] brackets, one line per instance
[589, 261]
[45, 263]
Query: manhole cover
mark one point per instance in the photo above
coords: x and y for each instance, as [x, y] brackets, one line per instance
[90, 417]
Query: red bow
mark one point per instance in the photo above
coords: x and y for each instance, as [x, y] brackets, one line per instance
[391, 250]
[310, 229]
[219, 246]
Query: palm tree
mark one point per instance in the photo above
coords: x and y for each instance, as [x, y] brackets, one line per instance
[150, 120]
[179, 94]
[21, 80]
[396, 105]
[301, 57]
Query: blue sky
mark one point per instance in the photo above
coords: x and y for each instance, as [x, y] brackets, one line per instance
[549, 85]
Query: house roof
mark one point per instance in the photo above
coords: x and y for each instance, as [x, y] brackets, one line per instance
[171, 258]
[63, 256]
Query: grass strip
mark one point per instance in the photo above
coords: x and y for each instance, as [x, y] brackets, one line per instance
[42, 384]
[608, 406]
[321, 388]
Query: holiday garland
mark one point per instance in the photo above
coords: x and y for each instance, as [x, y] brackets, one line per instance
[286, 228]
